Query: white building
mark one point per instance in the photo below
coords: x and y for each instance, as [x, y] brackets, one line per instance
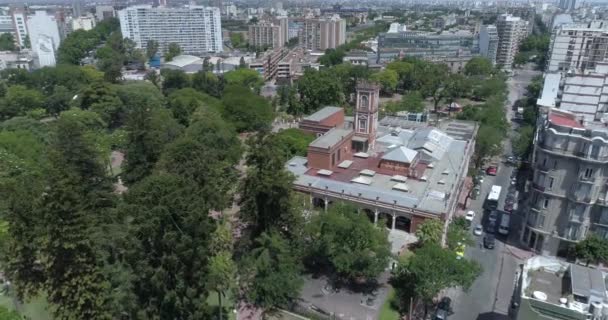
[104, 12]
[196, 29]
[578, 47]
[511, 31]
[83, 23]
[488, 42]
[20, 20]
[43, 24]
[45, 50]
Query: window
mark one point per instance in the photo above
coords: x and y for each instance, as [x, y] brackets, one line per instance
[571, 231]
[550, 184]
[363, 125]
[588, 173]
[333, 159]
[339, 154]
[595, 151]
[545, 203]
[544, 162]
[577, 213]
[364, 101]
[603, 217]
[555, 164]
[540, 224]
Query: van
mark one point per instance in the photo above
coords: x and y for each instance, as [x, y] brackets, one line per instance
[503, 228]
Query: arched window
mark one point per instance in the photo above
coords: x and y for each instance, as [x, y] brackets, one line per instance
[364, 101]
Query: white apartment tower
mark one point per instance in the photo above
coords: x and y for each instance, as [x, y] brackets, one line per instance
[46, 52]
[511, 31]
[488, 42]
[578, 47]
[196, 29]
[20, 20]
[324, 33]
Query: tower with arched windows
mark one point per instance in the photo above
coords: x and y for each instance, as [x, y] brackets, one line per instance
[366, 116]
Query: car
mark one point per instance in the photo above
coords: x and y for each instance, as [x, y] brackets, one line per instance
[508, 207]
[470, 216]
[440, 315]
[491, 228]
[511, 160]
[493, 217]
[478, 230]
[488, 241]
[491, 170]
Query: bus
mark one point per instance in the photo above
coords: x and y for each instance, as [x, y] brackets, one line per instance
[492, 200]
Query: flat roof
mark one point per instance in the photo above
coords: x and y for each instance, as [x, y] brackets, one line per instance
[323, 113]
[587, 282]
[331, 138]
[563, 120]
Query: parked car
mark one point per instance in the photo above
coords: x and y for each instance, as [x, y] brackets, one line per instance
[488, 241]
[492, 170]
[491, 228]
[493, 217]
[470, 216]
[443, 309]
[478, 230]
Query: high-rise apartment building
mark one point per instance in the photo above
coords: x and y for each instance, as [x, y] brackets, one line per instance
[76, 8]
[320, 34]
[196, 29]
[567, 4]
[511, 31]
[272, 34]
[104, 12]
[488, 42]
[20, 21]
[43, 24]
[578, 47]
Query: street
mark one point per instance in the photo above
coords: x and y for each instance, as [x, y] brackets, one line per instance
[490, 295]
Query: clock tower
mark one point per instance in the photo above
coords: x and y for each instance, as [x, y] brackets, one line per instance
[366, 116]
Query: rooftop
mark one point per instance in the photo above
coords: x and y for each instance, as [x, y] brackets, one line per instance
[184, 60]
[331, 138]
[564, 119]
[323, 114]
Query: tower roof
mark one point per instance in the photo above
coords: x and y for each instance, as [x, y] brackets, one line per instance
[366, 85]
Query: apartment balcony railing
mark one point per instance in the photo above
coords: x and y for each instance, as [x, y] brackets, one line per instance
[577, 154]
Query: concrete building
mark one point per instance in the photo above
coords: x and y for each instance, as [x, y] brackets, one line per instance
[43, 25]
[567, 5]
[426, 45]
[20, 21]
[104, 12]
[269, 34]
[6, 22]
[488, 42]
[404, 171]
[86, 23]
[578, 46]
[77, 8]
[45, 51]
[319, 34]
[551, 289]
[511, 31]
[268, 64]
[196, 29]
[16, 60]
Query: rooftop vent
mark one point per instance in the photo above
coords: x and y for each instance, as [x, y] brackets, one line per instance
[324, 172]
[367, 172]
[362, 180]
[345, 164]
[401, 187]
[399, 178]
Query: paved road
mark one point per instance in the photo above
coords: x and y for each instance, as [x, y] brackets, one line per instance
[490, 295]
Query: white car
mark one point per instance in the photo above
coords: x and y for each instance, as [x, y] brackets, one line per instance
[478, 230]
[470, 216]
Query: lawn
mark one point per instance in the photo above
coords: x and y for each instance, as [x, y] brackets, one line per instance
[387, 312]
[35, 309]
[227, 303]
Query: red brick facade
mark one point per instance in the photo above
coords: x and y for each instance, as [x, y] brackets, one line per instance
[320, 127]
[328, 159]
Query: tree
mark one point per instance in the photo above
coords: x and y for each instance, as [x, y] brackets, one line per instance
[173, 51]
[413, 102]
[348, 242]
[246, 110]
[272, 272]
[433, 78]
[478, 66]
[6, 314]
[430, 231]
[168, 247]
[294, 142]
[151, 49]
[237, 40]
[174, 80]
[593, 249]
[207, 82]
[318, 89]
[183, 103]
[458, 234]
[456, 86]
[153, 77]
[148, 131]
[222, 269]
[242, 63]
[488, 144]
[267, 200]
[19, 100]
[245, 77]
[59, 101]
[7, 42]
[431, 270]
[103, 99]
[332, 57]
[521, 144]
[388, 80]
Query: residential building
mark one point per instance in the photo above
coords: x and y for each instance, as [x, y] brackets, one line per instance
[104, 12]
[268, 64]
[20, 21]
[77, 8]
[426, 45]
[551, 289]
[6, 22]
[567, 5]
[42, 24]
[268, 34]
[404, 171]
[488, 42]
[569, 197]
[16, 60]
[578, 46]
[511, 31]
[319, 34]
[45, 51]
[196, 29]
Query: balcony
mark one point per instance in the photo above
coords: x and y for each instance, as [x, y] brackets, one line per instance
[538, 187]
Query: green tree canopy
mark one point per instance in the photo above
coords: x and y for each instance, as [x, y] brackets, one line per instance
[592, 250]
[478, 66]
[19, 100]
[7, 42]
[388, 79]
[318, 89]
[248, 78]
[430, 231]
[348, 242]
[173, 51]
[246, 110]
